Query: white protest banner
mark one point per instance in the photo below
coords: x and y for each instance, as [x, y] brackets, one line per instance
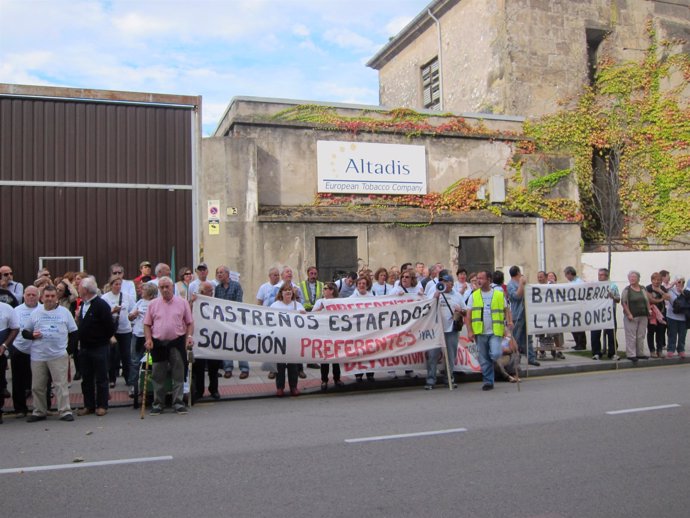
[557, 308]
[235, 331]
[465, 361]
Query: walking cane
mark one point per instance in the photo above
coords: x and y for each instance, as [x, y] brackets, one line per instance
[190, 363]
[146, 383]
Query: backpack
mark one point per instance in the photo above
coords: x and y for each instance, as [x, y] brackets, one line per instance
[680, 305]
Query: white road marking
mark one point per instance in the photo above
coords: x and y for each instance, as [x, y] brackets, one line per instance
[641, 409]
[405, 435]
[84, 464]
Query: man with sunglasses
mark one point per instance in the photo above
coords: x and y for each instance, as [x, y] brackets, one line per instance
[6, 295]
[128, 287]
[16, 288]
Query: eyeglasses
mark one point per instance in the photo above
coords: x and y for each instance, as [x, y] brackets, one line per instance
[118, 272]
[406, 277]
[187, 273]
[7, 274]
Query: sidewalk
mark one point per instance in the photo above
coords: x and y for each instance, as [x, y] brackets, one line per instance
[257, 385]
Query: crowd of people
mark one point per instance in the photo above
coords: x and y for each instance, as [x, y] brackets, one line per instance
[108, 330]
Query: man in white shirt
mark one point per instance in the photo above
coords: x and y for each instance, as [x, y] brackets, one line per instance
[201, 276]
[263, 295]
[9, 327]
[16, 288]
[50, 327]
[20, 353]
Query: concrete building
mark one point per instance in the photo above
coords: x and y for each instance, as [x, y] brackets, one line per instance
[265, 181]
[515, 57]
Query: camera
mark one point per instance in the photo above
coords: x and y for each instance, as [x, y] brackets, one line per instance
[440, 287]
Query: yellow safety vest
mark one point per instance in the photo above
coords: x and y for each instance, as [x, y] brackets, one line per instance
[304, 286]
[498, 313]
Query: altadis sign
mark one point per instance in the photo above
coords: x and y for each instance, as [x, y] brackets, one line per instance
[368, 168]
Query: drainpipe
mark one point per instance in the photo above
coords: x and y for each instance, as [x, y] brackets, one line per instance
[440, 59]
[541, 248]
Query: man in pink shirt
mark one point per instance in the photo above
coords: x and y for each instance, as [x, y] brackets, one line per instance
[168, 329]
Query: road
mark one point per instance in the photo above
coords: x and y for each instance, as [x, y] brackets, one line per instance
[549, 450]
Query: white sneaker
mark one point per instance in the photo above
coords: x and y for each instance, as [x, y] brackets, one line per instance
[615, 357]
[596, 357]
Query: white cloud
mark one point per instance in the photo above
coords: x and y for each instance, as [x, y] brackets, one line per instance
[300, 30]
[346, 38]
[395, 25]
[301, 49]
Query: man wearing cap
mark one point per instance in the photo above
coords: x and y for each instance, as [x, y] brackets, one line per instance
[201, 276]
[144, 271]
[452, 307]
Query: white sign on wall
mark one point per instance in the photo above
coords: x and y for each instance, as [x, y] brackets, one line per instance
[367, 168]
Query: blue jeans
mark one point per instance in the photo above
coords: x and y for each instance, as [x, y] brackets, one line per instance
[228, 365]
[522, 339]
[490, 350]
[434, 354]
[677, 331]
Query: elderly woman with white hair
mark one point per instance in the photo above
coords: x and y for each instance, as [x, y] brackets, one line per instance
[677, 325]
[637, 310]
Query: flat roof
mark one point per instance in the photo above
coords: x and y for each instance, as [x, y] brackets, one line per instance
[89, 94]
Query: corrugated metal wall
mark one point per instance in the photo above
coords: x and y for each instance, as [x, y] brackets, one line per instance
[45, 140]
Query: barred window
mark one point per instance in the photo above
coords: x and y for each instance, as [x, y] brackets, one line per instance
[431, 85]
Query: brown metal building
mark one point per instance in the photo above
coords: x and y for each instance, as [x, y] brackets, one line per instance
[90, 177]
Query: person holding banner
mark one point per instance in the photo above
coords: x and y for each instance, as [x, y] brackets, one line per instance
[363, 289]
[609, 334]
[580, 337]
[637, 309]
[408, 284]
[380, 286]
[452, 305]
[486, 324]
[330, 291]
[516, 296]
[286, 300]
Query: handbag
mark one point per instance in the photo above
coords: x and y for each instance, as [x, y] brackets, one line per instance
[113, 339]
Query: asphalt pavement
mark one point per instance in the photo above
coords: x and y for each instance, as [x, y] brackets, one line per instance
[591, 444]
[258, 384]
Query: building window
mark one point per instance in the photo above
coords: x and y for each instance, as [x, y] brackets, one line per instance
[476, 254]
[335, 257]
[431, 85]
[594, 39]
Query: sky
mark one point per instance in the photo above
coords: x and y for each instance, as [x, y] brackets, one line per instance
[312, 50]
